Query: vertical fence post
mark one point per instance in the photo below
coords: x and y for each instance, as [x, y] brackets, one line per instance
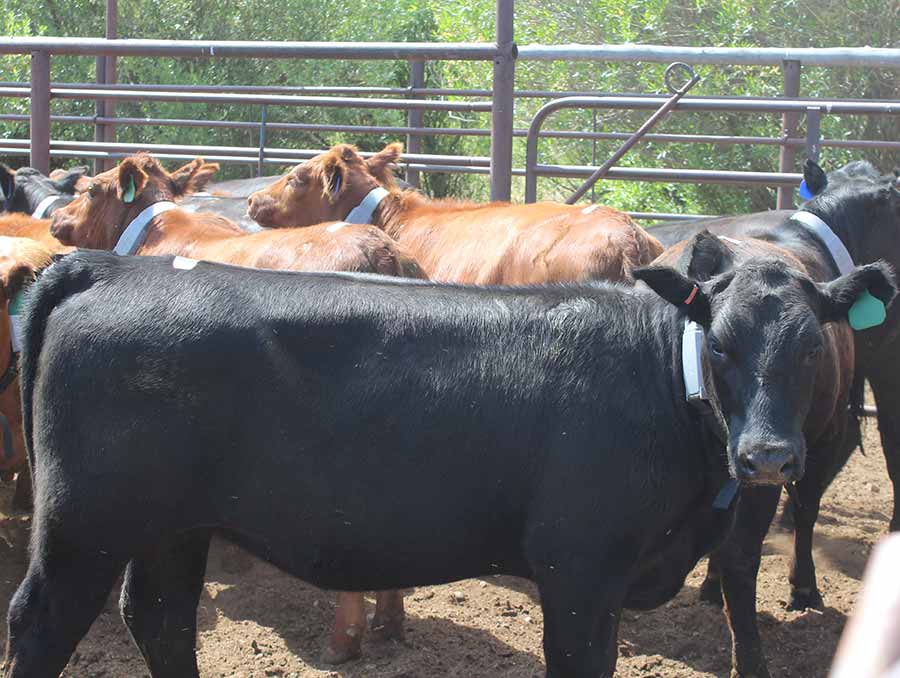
[502, 104]
[791, 71]
[40, 111]
[106, 75]
[813, 132]
[415, 118]
[263, 119]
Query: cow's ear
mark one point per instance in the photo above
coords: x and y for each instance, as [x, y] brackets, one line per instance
[814, 177]
[132, 180]
[67, 182]
[705, 256]
[381, 165]
[861, 296]
[332, 175]
[678, 290]
[7, 180]
[192, 177]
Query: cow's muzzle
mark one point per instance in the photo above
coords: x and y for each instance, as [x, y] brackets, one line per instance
[769, 463]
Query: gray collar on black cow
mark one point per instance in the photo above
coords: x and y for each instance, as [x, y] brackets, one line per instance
[828, 237]
[45, 204]
[133, 235]
[362, 213]
[697, 396]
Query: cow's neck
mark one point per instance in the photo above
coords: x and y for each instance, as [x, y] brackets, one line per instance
[185, 233]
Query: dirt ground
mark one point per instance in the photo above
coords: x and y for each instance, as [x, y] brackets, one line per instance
[262, 622]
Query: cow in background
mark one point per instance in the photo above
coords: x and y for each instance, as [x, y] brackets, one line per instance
[453, 240]
[21, 259]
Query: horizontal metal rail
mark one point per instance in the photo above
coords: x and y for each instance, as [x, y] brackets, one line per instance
[457, 131]
[267, 99]
[533, 170]
[256, 49]
[748, 56]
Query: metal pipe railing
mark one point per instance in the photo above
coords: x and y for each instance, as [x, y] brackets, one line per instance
[260, 49]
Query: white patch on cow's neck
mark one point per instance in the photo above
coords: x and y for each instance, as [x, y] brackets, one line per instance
[589, 209]
[337, 226]
[184, 263]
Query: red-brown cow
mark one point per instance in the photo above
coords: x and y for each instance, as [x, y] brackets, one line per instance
[20, 261]
[454, 241]
[19, 225]
[98, 219]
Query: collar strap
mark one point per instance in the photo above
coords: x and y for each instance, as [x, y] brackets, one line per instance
[696, 395]
[44, 205]
[833, 244]
[133, 235]
[362, 213]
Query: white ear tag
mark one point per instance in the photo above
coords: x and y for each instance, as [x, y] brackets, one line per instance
[691, 360]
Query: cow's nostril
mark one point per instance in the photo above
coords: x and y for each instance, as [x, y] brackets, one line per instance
[789, 467]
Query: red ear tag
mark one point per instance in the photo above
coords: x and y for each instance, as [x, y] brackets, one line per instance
[690, 297]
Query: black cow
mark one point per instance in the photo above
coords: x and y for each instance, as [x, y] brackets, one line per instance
[27, 190]
[862, 207]
[363, 433]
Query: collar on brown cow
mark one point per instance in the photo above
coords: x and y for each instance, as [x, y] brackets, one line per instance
[133, 235]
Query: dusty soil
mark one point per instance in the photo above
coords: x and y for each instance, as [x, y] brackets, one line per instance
[262, 622]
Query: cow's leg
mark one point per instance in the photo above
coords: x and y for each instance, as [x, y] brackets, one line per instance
[886, 389]
[159, 605]
[581, 619]
[22, 499]
[827, 461]
[54, 607]
[387, 624]
[739, 557]
[349, 628]
[711, 588]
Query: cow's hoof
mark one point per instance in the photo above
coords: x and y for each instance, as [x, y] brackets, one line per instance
[805, 599]
[711, 592]
[386, 629]
[333, 656]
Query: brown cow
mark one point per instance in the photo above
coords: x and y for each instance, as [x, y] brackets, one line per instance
[98, 217]
[463, 242]
[20, 261]
[19, 225]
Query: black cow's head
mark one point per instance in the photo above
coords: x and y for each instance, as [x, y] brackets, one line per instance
[27, 187]
[763, 321]
[861, 205]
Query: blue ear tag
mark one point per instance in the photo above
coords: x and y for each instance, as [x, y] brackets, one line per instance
[805, 193]
[866, 312]
[128, 195]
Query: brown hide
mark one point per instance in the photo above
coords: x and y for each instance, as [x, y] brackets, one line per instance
[97, 218]
[454, 241]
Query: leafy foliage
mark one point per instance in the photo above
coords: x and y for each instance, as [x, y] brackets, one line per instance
[796, 23]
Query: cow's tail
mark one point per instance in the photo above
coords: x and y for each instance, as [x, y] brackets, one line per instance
[52, 287]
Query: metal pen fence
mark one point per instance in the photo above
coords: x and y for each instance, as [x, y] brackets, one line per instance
[416, 99]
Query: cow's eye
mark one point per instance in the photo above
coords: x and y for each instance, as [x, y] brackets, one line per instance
[716, 348]
[93, 190]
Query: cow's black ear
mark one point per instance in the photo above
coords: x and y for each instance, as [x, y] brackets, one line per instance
[66, 184]
[677, 289]
[814, 176]
[7, 181]
[706, 256]
[839, 296]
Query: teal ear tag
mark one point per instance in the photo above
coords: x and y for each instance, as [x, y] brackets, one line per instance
[15, 303]
[866, 312]
[128, 195]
